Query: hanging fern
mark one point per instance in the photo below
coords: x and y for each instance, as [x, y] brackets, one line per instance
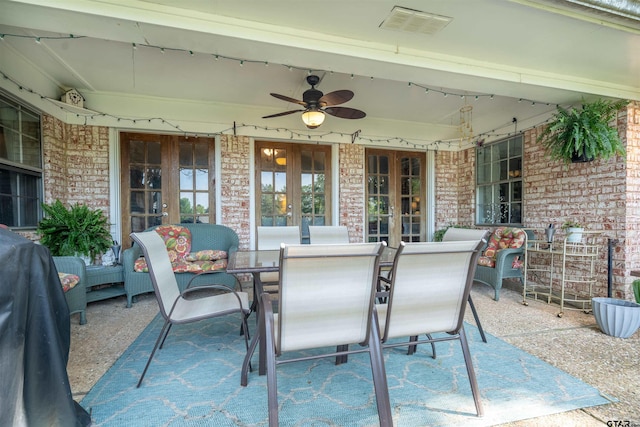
[573, 133]
[74, 231]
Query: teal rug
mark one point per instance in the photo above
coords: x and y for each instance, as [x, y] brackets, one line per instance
[195, 381]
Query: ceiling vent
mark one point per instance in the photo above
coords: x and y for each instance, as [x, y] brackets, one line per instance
[414, 21]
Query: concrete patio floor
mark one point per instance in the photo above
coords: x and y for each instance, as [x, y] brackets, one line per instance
[572, 343]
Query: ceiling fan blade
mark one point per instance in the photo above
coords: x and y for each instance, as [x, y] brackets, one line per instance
[288, 99]
[284, 113]
[345, 112]
[335, 98]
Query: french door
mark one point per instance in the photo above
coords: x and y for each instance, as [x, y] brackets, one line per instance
[395, 196]
[293, 185]
[165, 179]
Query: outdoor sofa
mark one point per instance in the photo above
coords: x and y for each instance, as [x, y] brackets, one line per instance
[194, 249]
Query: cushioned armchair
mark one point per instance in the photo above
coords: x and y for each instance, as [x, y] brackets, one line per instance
[502, 258]
[194, 249]
[76, 296]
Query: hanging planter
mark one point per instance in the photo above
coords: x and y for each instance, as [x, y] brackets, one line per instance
[583, 135]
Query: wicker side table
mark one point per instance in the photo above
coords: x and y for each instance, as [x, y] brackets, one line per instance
[100, 275]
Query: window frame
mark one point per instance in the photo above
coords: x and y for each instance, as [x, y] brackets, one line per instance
[23, 207]
[499, 182]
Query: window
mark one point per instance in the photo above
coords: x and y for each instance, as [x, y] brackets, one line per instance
[499, 182]
[20, 165]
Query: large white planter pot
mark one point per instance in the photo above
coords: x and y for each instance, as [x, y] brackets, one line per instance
[616, 317]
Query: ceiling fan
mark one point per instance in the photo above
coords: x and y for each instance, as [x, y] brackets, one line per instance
[316, 104]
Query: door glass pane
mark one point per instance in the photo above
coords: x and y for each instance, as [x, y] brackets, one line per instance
[154, 153]
[280, 180]
[201, 154]
[137, 151]
[186, 178]
[202, 179]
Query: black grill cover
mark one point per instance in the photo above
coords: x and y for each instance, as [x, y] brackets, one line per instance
[34, 339]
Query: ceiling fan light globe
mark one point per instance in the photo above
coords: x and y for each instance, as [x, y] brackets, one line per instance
[313, 118]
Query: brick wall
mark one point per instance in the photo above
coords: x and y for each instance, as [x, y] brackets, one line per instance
[446, 186]
[628, 252]
[352, 196]
[76, 164]
[455, 188]
[235, 197]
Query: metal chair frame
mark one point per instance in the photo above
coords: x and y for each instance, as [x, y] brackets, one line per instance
[191, 305]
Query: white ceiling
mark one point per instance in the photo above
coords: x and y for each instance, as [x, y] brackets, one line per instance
[506, 58]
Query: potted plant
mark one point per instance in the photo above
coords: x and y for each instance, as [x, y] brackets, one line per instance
[74, 231]
[574, 230]
[583, 135]
[617, 317]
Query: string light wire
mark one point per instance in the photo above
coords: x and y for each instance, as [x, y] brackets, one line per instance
[242, 61]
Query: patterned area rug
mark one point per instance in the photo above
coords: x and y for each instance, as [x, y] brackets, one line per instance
[195, 381]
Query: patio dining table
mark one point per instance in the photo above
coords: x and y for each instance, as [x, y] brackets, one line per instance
[265, 261]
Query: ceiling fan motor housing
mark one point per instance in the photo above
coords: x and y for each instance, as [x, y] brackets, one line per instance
[311, 97]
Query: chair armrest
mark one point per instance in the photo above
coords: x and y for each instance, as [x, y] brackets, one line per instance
[129, 257]
[200, 273]
[203, 288]
[505, 257]
[71, 265]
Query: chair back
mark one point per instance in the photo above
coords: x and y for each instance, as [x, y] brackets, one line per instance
[456, 234]
[327, 294]
[430, 286]
[272, 237]
[325, 234]
[160, 270]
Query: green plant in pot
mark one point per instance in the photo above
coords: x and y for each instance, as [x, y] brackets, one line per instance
[580, 135]
[74, 231]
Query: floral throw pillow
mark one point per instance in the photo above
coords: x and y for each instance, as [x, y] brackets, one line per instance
[177, 239]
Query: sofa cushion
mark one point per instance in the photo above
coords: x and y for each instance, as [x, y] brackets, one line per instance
[199, 266]
[206, 255]
[487, 261]
[182, 266]
[68, 281]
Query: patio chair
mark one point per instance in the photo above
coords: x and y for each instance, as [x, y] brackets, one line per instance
[194, 303]
[311, 317]
[272, 238]
[502, 258]
[457, 234]
[428, 295]
[323, 234]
